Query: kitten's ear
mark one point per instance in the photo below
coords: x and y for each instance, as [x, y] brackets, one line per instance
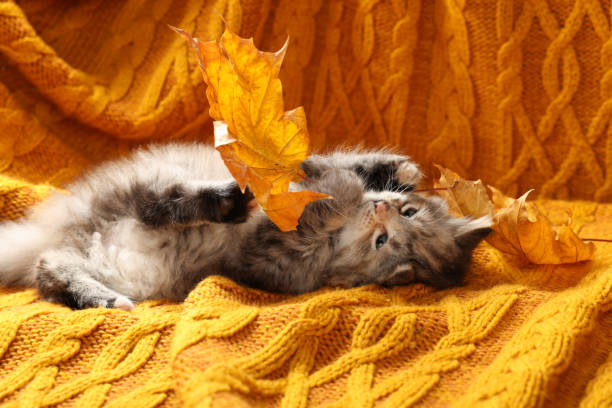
[472, 232]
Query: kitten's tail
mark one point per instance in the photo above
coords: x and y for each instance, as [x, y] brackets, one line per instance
[21, 243]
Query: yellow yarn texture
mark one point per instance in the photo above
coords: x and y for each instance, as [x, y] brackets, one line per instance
[515, 92]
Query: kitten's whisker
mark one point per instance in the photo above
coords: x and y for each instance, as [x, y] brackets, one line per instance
[332, 208]
[426, 190]
[406, 187]
[434, 214]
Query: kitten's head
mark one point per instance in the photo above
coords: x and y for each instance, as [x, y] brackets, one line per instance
[397, 239]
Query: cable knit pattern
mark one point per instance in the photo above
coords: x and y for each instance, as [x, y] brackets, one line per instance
[451, 103]
[516, 92]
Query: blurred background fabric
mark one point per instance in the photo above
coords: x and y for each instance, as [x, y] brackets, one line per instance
[517, 93]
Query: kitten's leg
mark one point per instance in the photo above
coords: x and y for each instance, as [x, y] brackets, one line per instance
[187, 204]
[66, 276]
[379, 171]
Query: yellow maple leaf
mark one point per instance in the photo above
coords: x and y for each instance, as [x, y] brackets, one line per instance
[520, 229]
[260, 143]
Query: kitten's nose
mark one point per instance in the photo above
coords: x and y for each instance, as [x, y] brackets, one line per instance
[380, 207]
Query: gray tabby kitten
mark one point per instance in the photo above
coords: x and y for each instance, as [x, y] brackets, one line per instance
[155, 224]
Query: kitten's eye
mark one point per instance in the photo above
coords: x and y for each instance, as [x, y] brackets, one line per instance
[409, 212]
[380, 241]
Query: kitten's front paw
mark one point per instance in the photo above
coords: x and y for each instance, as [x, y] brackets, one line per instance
[390, 173]
[234, 205]
[407, 175]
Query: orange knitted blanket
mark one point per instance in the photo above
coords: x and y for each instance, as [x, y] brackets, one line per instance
[516, 92]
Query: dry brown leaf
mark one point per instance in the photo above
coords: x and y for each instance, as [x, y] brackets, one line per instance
[465, 197]
[499, 199]
[520, 229]
[261, 144]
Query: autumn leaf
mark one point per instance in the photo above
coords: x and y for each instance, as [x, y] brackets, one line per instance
[464, 197]
[520, 229]
[260, 143]
[499, 199]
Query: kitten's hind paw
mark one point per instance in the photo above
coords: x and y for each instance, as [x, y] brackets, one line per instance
[120, 302]
[77, 302]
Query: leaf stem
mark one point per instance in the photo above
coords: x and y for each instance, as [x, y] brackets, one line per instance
[596, 239]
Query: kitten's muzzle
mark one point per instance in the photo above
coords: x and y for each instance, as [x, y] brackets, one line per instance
[381, 207]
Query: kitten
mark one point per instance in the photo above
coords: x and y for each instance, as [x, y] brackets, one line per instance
[155, 224]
